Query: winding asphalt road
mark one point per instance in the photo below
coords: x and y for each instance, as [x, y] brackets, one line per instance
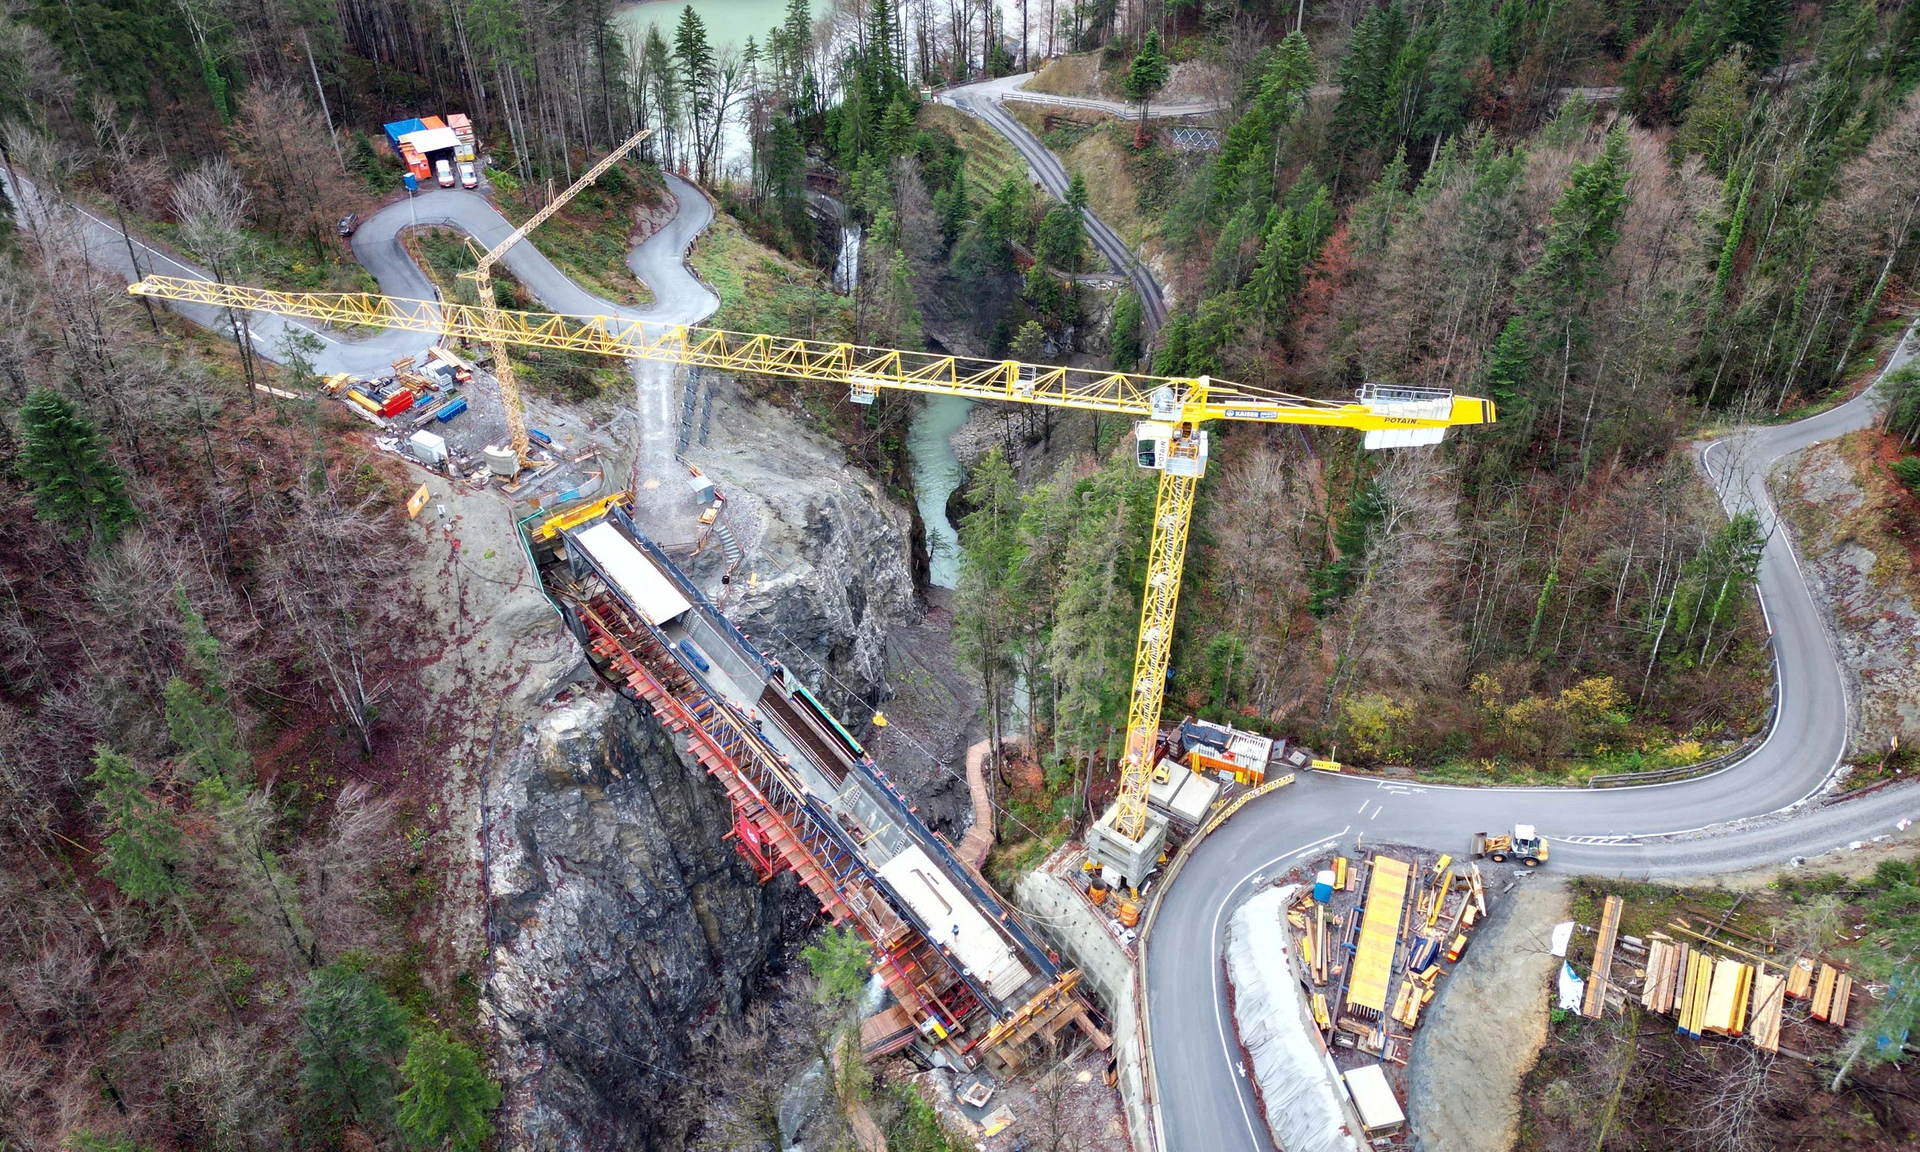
[982, 101]
[659, 262]
[1759, 811]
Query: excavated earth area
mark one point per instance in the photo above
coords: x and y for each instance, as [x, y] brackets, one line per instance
[1852, 570]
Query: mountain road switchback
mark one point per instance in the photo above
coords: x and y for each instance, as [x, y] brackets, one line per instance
[1761, 810]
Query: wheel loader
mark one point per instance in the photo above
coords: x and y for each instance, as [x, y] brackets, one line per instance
[1523, 844]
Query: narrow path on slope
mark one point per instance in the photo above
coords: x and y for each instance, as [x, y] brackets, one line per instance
[982, 101]
[1756, 812]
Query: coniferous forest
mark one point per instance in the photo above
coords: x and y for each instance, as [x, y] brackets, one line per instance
[230, 915]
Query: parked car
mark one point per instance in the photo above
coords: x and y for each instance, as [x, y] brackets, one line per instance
[444, 171]
[348, 223]
[468, 177]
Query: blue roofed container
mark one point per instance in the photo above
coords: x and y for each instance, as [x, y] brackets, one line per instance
[401, 128]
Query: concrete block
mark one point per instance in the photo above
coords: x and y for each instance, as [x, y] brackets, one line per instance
[1131, 858]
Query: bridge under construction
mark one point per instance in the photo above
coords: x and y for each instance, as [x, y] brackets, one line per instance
[968, 982]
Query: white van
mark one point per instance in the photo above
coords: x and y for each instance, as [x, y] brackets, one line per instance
[443, 170]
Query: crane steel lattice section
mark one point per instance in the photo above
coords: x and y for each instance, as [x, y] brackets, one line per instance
[846, 365]
[1171, 409]
[1166, 557]
[482, 275]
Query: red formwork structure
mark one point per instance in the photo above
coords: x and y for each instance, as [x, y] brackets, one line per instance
[774, 826]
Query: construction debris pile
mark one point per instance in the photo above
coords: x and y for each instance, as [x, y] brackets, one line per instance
[1708, 984]
[423, 413]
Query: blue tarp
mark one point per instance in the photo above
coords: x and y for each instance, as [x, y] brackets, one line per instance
[400, 128]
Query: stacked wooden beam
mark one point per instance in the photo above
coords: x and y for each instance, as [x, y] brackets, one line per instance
[1800, 978]
[1696, 984]
[1769, 1000]
[1727, 996]
[1665, 963]
[1596, 1000]
[1831, 994]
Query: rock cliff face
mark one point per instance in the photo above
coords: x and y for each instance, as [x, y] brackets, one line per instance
[624, 927]
[827, 555]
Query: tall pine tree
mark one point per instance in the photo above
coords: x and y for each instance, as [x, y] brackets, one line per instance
[64, 461]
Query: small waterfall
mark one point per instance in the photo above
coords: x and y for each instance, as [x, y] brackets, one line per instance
[846, 266]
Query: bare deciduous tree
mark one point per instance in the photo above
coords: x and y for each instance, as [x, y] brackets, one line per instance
[211, 205]
[333, 550]
[338, 870]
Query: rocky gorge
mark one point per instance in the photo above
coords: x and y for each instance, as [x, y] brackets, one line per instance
[624, 929]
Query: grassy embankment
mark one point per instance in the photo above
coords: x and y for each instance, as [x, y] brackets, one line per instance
[1651, 1087]
[991, 161]
[1076, 75]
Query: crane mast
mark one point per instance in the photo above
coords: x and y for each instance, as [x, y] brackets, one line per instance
[1168, 437]
[482, 277]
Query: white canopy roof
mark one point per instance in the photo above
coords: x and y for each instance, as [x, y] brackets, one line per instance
[645, 587]
[432, 140]
[955, 923]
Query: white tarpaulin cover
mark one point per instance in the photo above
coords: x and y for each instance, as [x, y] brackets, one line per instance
[953, 922]
[432, 140]
[1299, 1085]
[1572, 988]
[645, 587]
[1562, 936]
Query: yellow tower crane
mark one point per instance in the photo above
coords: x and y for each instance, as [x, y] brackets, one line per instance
[1168, 438]
[482, 277]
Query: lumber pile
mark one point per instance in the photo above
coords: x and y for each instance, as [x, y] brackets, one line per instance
[1830, 996]
[1712, 995]
[1596, 999]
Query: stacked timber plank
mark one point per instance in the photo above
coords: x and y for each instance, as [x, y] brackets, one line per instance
[1727, 993]
[1830, 995]
[1596, 1000]
[1800, 978]
[1666, 964]
[1769, 1003]
[1379, 937]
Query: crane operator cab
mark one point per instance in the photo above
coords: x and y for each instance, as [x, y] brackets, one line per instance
[1168, 442]
[1177, 449]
